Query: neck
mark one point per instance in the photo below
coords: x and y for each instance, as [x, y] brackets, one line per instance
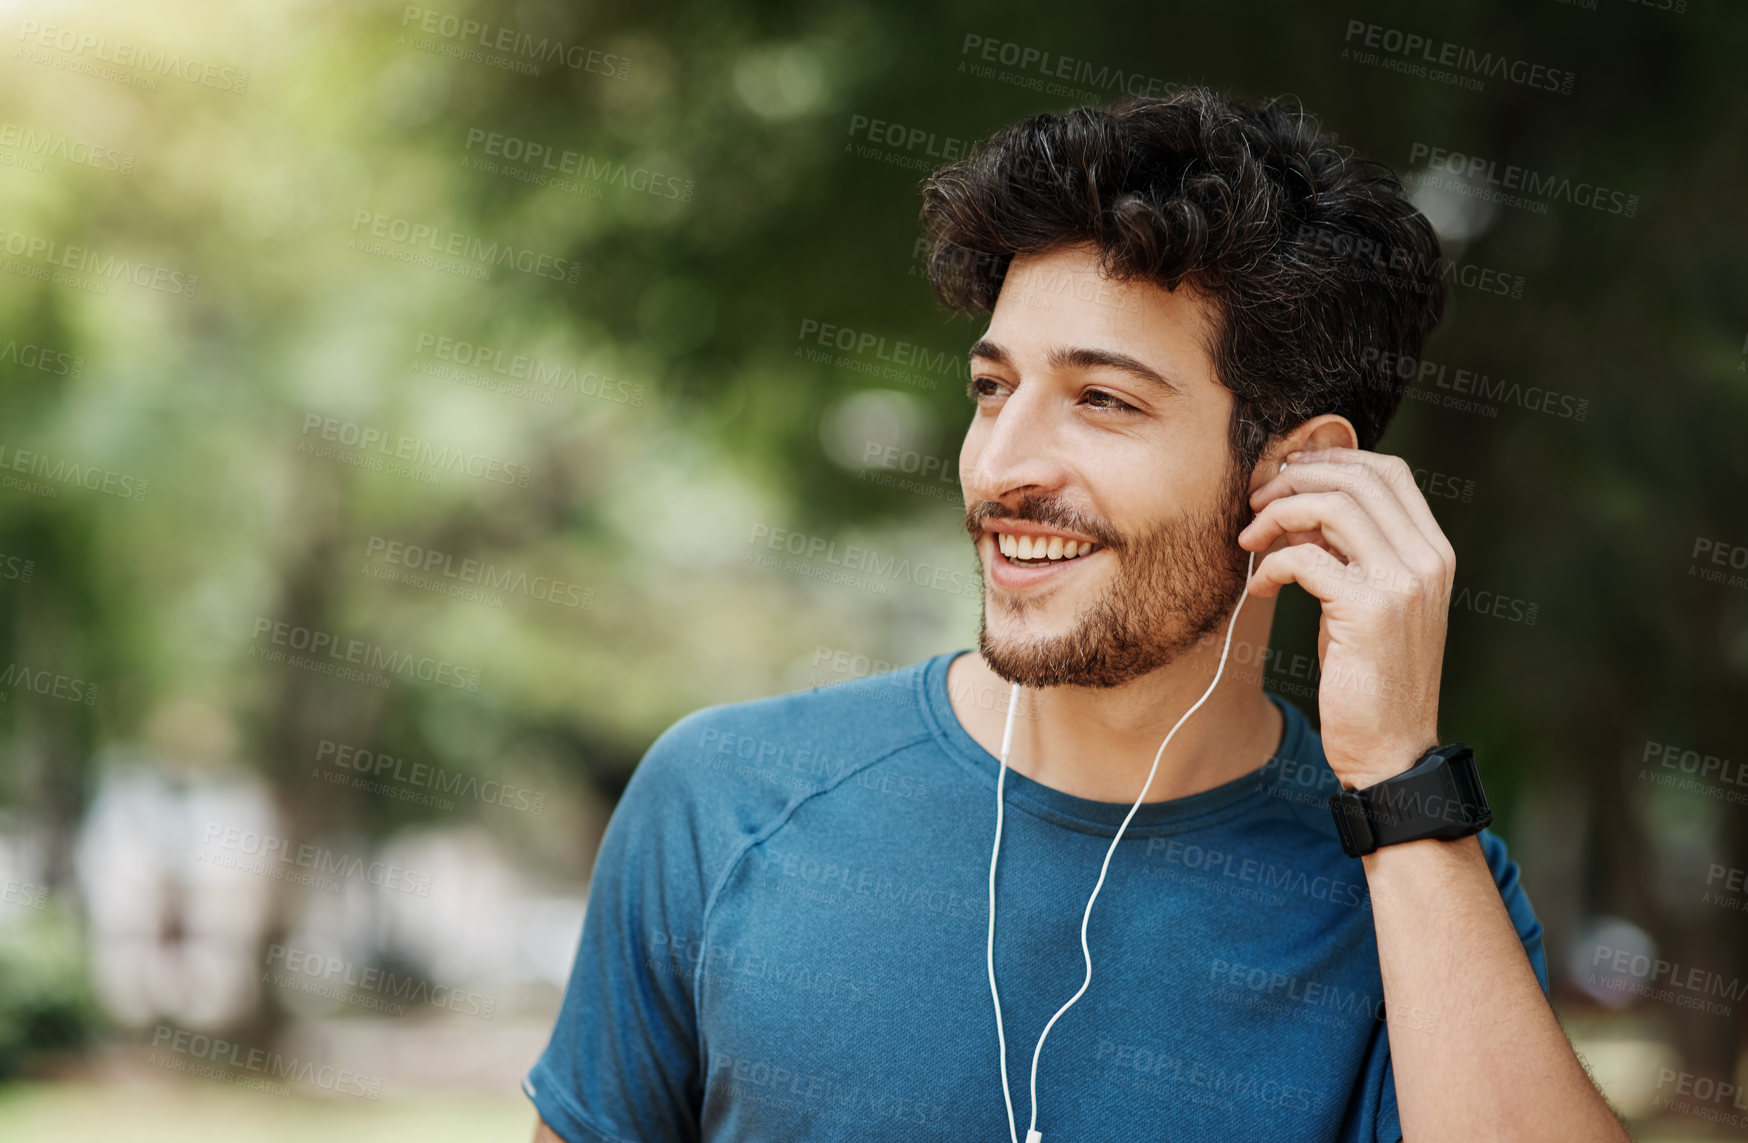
[1099, 742]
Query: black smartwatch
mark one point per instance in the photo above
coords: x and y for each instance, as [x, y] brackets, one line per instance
[1440, 796]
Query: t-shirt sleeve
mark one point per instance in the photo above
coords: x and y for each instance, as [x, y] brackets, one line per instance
[622, 1064]
[1529, 931]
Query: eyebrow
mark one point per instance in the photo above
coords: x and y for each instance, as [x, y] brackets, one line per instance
[1081, 357]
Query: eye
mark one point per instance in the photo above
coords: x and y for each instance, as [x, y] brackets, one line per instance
[976, 388]
[1099, 399]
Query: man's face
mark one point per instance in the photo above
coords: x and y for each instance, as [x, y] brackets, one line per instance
[1073, 441]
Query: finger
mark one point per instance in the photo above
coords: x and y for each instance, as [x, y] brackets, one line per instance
[1397, 476]
[1324, 575]
[1312, 568]
[1336, 515]
[1310, 538]
[1370, 490]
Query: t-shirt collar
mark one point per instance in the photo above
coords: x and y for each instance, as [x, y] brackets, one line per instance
[1083, 814]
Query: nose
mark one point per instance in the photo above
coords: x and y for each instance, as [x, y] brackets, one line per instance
[1014, 452]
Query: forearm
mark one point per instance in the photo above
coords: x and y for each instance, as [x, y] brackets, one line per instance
[1476, 1050]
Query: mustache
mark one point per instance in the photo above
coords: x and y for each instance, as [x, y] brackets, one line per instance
[1046, 511]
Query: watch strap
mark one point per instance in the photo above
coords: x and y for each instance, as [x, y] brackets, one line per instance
[1440, 796]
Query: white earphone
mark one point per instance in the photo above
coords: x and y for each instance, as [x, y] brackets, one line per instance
[1033, 1135]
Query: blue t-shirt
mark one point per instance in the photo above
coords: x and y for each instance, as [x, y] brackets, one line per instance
[786, 926]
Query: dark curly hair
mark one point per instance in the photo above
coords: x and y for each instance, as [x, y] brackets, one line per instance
[1321, 273]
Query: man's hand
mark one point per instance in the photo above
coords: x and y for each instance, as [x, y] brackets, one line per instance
[1353, 529]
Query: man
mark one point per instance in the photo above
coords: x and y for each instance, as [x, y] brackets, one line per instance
[1190, 300]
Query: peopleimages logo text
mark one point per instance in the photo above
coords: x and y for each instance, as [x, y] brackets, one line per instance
[320, 644]
[514, 42]
[400, 447]
[1458, 57]
[202, 1048]
[439, 240]
[126, 54]
[1552, 188]
[83, 260]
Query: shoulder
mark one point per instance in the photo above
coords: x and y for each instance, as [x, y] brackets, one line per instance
[751, 759]
[860, 718]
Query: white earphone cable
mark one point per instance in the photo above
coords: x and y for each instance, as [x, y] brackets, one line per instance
[1033, 1135]
[1007, 738]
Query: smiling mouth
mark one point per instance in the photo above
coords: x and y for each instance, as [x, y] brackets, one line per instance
[1041, 551]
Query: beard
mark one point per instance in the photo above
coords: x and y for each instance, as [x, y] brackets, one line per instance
[1175, 583]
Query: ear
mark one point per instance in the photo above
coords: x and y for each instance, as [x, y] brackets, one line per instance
[1326, 430]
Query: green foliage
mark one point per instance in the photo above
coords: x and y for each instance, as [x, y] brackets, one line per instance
[46, 1006]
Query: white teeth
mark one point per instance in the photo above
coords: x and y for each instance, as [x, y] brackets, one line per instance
[1040, 548]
